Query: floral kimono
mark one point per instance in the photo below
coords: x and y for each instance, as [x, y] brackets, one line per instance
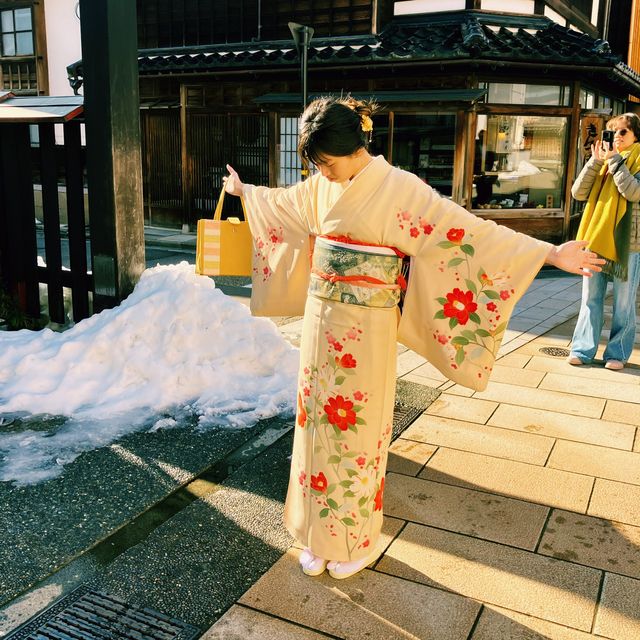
[466, 276]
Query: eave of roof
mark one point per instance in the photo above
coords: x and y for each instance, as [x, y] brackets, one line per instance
[477, 38]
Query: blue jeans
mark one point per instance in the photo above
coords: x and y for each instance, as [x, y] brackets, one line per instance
[586, 335]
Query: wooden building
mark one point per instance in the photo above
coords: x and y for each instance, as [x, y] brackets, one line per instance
[492, 102]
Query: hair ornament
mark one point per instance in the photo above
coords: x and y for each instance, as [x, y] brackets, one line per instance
[366, 123]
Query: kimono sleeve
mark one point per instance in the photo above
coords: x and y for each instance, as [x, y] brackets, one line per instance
[466, 276]
[278, 219]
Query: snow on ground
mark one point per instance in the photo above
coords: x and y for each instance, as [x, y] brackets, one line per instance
[176, 347]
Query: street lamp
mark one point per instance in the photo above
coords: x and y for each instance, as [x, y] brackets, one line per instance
[302, 37]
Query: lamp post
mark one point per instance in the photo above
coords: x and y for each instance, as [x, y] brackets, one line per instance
[302, 37]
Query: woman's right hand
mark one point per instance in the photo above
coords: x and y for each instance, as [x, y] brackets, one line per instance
[232, 182]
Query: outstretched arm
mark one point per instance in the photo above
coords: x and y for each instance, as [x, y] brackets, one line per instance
[574, 257]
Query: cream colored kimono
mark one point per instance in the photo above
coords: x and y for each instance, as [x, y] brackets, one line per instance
[466, 276]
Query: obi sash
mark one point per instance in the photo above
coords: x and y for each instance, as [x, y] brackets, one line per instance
[366, 275]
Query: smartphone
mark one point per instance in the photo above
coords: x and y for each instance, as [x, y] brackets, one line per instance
[607, 136]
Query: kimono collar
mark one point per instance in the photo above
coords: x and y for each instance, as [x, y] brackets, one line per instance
[359, 191]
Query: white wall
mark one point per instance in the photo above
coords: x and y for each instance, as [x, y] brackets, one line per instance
[63, 43]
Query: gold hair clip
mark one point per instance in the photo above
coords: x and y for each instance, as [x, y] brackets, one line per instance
[366, 123]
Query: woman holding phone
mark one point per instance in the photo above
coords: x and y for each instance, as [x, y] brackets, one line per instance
[610, 184]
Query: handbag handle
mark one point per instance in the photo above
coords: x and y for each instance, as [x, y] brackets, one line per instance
[217, 214]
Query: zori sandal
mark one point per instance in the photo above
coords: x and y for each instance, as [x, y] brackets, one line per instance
[342, 570]
[311, 564]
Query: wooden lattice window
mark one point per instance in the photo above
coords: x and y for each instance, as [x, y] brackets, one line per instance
[179, 23]
[327, 17]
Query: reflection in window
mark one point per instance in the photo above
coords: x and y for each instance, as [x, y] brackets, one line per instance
[519, 162]
[17, 32]
[424, 145]
[506, 93]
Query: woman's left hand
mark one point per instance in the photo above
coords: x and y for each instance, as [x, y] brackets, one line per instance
[574, 257]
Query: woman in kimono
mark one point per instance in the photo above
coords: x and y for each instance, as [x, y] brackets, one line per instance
[363, 216]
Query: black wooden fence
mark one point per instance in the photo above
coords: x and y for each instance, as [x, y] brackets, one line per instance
[29, 156]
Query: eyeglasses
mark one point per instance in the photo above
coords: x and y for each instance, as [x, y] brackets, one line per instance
[621, 132]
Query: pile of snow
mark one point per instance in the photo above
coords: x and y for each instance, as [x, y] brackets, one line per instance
[175, 348]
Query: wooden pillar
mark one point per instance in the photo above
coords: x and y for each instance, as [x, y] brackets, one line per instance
[17, 218]
[114, 167]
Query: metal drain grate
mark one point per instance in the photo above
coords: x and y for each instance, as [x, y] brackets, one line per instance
[558, 352]
[403, 417]
[92, 615]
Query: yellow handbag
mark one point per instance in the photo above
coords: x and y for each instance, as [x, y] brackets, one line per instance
[224, 247]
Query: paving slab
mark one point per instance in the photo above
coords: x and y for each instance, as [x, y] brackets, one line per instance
[594, 542]
[541, 485]
[546, 588]
[601, 462]
[608, 389]
[521, 377]
[618, 613]
[241, 623]
[481, 515]
[460, 408]
[559, 425]
[368, 606]
[477, 438]
[497, 623]
[408, 361]
[408, 457]
[514, 360]
[626, 412]
[615, 501]
[542, 399]
[592, 372]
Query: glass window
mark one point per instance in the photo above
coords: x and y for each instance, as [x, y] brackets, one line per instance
[424, 145]
[519, 162]
[17, 32]
[7, 21]
[8, 45]
[605, 102]
[427, 6]
[514, 6]
[587, 99]
[24, 44]
[503, 93]
[22, 19]
[290, 163]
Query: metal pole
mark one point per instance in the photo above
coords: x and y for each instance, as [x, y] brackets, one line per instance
[305, 54]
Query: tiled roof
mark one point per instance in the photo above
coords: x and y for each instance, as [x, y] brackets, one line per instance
[469, 37]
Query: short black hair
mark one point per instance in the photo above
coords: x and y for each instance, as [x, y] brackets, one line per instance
[334, 126]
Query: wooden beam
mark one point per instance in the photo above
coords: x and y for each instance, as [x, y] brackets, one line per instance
[114, 167]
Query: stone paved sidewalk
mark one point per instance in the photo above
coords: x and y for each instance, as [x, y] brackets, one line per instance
[511, 514]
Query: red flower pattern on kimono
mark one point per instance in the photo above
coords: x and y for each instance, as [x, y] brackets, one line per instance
[348, 361]
[265, 245]
[340, 412]
[319, 483]
[479, 303]
[455, 235]
[406, 220]
[378, 499]
[459, 305]
[302, 413]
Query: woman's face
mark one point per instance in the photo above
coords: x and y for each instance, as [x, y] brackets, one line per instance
[623, 135]
[340, 168]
